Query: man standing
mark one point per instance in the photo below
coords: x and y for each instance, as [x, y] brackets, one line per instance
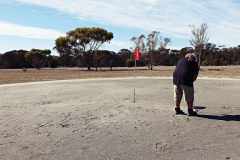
[185, 74]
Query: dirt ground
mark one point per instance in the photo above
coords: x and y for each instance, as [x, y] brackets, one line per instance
[16, 76]
[96, 120]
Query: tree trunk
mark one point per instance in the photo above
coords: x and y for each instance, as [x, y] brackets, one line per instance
[88, 60]
[95, 60]
[150, 66]
[199, 57]
[148, 63]
[89, 68]
[151, 59]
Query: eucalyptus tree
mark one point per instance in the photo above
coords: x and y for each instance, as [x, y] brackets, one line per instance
[164, 43]
[82, 41]
[139, 42]
[199, 39]
[152, 42]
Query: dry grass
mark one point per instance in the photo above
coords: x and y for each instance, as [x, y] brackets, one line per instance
[31, 75]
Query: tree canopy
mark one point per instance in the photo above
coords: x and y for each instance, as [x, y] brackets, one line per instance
[82, 40]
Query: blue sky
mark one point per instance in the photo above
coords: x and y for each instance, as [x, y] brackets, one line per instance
[26, 24]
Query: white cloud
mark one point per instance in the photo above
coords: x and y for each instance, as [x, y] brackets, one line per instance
[116, 45]
[11, 29]
[26, 44]
[168, 16]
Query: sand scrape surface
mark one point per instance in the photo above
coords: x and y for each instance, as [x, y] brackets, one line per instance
[96, 120]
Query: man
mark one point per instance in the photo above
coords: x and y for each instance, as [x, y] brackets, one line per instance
[185, 74]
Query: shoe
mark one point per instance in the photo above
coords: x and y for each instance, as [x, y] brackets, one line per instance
[191, 112]
[179, 111]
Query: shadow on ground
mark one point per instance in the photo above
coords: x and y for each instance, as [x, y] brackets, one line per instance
[221, 117]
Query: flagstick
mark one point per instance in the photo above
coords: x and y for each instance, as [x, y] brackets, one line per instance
[134, 90]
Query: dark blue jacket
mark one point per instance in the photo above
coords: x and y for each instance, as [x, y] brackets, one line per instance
[185, 72]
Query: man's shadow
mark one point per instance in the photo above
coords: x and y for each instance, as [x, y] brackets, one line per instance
[223, 117]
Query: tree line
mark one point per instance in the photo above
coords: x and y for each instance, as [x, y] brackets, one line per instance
[81, 48]
[35, 58]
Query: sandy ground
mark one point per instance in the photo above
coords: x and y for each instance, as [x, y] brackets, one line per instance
[96, 120]
[31, 75]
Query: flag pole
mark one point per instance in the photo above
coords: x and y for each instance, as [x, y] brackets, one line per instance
[134, 90]
[137, 56]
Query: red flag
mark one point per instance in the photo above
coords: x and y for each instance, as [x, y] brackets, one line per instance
[137, 54]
